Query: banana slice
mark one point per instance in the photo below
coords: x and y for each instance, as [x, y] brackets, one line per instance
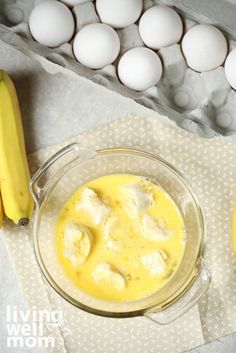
[77, 243]
[153, 230]
[97, 209]
[135, 199]
[113, 227]
[109, 275]
[114, 245]
[154, 262]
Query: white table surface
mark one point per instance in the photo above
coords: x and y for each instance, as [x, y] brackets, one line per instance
[44, 100]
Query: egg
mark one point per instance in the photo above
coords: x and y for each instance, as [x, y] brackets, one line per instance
[160, 26]
[140, 68]
[204, 47]
[73, 2]
[230, 68]
[96, 45]
[51, 23]
[119, 13]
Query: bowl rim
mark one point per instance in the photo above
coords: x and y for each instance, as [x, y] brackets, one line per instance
[165, 303]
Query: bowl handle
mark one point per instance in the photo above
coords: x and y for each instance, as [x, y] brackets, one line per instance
[186, 301]
[38, 181]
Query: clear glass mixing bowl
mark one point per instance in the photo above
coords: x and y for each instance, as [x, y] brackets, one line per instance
[74, 165]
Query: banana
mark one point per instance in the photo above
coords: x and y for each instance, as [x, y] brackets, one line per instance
[109, 275]
[14, 170]
[154, 262]
[77, 243]
[1, 211]
[153, 230]
[135, 199]
[113, 227]
[96, 207]
[114, 245]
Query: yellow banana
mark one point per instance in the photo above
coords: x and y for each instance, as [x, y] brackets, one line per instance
[14, 170]
[1, 211]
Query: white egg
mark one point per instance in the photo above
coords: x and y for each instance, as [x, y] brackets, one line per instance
[204, 47]
[160, 26]
[73, 2]
[119, 13]
[140, 68]
[51, 23]
[96, 45]
[230, 68]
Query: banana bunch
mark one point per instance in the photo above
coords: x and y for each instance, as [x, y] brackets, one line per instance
[17, 202]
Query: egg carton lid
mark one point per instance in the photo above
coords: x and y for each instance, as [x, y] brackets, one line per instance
[202, 103]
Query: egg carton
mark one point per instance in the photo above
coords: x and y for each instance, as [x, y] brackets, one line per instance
[202, 103]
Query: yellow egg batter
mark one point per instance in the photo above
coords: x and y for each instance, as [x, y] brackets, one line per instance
[121, 243]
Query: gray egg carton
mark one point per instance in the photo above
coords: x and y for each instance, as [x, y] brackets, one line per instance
[202, 103]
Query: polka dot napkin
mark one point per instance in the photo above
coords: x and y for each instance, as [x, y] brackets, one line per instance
[210, 166]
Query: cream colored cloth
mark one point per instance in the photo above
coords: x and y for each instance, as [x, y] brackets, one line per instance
[210, 166]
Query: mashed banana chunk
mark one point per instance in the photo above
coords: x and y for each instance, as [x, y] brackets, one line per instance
[154, 230]
[97, 208]
[155, 262]
[135, 198]
[106, 274]
[77, 243]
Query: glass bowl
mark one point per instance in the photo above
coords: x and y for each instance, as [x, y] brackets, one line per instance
[55, 182]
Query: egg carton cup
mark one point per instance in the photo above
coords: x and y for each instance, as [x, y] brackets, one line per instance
[201, 103]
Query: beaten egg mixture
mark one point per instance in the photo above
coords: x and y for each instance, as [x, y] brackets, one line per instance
[120, 237]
